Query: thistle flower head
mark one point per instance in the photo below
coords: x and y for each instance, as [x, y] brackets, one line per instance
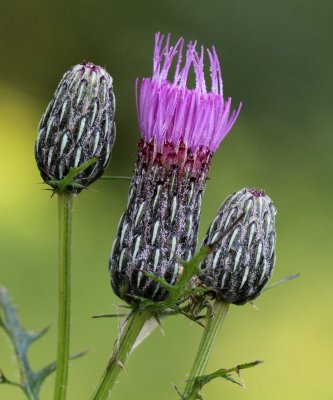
[181, 129]
[243, 240]
[78, 125]
[170, 112]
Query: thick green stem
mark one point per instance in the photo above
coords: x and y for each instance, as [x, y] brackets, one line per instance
[121, 349]
[214, 323]
[65, 201]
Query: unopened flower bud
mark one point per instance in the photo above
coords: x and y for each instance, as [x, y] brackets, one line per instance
[243, 240]
[78, 125]
[181, 129]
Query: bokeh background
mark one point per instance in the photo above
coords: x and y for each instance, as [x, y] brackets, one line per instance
[277, 58]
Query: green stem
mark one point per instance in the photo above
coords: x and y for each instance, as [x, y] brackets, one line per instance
[214, 323]
[121, 350]
[65, 202]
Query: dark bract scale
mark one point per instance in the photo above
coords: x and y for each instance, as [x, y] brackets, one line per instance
[77, 126]
[243, 239]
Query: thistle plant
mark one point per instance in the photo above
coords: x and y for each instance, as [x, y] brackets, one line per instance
[181, 128]
[242, 238]
[73, 148]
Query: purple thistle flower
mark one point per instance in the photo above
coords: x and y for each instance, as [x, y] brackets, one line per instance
[181, 129]
[170, 112]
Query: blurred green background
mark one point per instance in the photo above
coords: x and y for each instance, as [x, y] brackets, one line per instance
[277, 58]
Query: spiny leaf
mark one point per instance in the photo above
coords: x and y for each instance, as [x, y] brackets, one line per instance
[201, 381]
[22, 339]
[181, 289]
[69, 180]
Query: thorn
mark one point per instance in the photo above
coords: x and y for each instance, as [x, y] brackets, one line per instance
[283, 280]
[121, 365]
[115, 178]
[44, 331]
[241, 383]
[200, 323]
[177, 390]
[189, 378]
[122, 305]
[2, 377]
[159, 323]
[254, 306]
[231, 379]
[79, 355]
[112, 315]
[32, 336]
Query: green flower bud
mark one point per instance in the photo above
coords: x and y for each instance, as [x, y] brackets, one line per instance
[78, 125]
[243, 240]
